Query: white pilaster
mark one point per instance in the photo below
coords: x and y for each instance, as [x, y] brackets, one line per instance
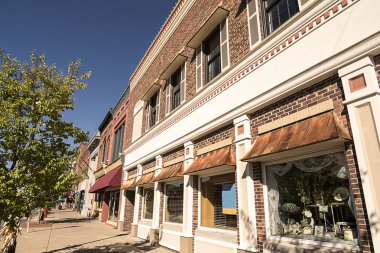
[362, 93]
[137, 197]
[188, 192]
[245, 187]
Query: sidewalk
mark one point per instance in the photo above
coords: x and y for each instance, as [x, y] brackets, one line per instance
[71, 232]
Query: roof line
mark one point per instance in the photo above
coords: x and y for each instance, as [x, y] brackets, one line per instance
[155, 40]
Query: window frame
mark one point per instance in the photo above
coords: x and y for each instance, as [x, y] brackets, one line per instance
[327, 244]
[165, 201]
[148, 122]
[265, 10]
[209, 58]
[118, 140]
[143, 206]
[213, 229]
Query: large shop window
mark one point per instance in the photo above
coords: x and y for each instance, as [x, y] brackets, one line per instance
[118, 143]
[218, 201]
[174, 202]
[311, 199]
[99, 198]
[278, 12]
[148, 203]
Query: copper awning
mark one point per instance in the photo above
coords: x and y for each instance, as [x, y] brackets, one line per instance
[129, 184]
[220, 157]
[175, 170]
[314, 130]
[146, 179]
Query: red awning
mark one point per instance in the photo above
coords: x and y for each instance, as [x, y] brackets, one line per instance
[111, 179]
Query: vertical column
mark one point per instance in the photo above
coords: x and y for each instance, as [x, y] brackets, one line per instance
[154, 231]
[186, 245]
[246, 198]
[122, 203]
[136, 212]
[362, 93]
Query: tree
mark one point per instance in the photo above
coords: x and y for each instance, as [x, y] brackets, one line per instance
[35, 149]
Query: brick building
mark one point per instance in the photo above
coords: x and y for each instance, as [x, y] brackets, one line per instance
[253, 126]
[112, 142]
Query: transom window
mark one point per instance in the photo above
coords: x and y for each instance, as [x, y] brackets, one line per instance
[176, 89]
[174, 202]
[148, 195]
[311, 199]
[218, 201]
[278, 12]
[212, 53]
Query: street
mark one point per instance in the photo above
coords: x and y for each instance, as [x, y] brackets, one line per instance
[67, 231]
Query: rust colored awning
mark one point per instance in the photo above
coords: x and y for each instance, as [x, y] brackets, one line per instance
[146, 179]
[111, 179]
[314, 130]
[175, 170]
[216, 158]
[129, 184]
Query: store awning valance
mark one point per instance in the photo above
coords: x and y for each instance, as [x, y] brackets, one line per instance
[146, 179]
[129, 184]
[321, 128]
[175, 170]
[111, 179]
[217, 158]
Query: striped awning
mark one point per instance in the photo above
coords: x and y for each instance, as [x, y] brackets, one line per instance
[131, 183]
[146, 179]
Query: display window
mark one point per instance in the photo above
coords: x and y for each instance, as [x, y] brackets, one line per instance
[174, 202]
[218, 201]
[311, 199]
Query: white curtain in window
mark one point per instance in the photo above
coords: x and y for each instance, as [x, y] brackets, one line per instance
[314, 164]
[273, 194]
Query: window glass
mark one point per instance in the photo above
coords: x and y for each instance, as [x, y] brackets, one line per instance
[212, 51]
[278, 12]
[176, 90]
[153, 109]
[311, 199]
[174, 203]
[118, 142]
[218, 201]
[148, 203]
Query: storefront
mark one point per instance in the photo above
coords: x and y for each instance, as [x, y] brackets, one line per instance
[308, 198]
[107, 190]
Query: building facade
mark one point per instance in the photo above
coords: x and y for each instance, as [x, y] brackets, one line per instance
[108, 196]
[254, 127]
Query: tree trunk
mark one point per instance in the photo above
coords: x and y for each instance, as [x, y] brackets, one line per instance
[12, 248]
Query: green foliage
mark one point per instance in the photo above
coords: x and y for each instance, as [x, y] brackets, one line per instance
[35, 151]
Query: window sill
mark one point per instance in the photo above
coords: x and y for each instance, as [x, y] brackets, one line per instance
[145, 222]
[223, 235]
[288, 242]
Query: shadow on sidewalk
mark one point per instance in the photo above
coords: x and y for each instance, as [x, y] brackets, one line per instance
[81, 244]
[70, 220]
[40, 230]
[119, 248]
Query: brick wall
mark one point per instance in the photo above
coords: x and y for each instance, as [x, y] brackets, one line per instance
[195, 203]
[83, 159]
[218, 135]
[330, 88]
[196, 16]
[259, 205]
[161, 188]
[150, 164]
[129, 209]
[178, 152]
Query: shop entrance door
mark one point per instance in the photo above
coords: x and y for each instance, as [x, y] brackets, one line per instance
[113, 212]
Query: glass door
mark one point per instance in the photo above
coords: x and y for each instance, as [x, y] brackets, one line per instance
[113, 211]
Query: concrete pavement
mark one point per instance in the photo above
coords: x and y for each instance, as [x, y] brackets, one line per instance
[71, 232]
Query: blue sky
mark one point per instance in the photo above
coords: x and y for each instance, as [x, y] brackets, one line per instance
[109, 36]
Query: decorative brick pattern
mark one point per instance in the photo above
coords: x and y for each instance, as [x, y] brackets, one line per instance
[150, 164]
[195, 202]
[161, 188]
[330, 88]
